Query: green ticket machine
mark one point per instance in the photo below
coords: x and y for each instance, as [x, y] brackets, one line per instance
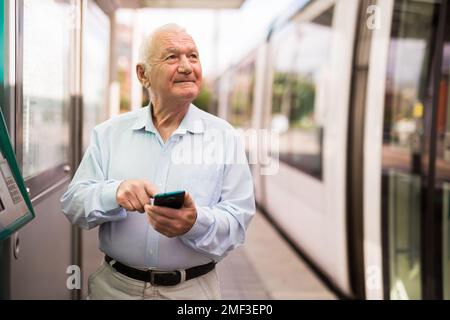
[15, 204]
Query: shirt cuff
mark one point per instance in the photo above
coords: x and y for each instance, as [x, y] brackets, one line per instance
[200, 226]
[109, 199]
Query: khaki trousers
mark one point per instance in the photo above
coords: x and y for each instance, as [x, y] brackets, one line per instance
[107, 283]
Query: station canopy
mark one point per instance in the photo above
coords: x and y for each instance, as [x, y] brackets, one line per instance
[111, 5]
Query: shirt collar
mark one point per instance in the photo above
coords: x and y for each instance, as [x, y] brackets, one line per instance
[191, 122]
[144, 120]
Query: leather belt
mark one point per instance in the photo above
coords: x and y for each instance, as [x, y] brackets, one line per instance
[160, 278]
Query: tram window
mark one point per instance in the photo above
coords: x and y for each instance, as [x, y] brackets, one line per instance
[241, 96]
[301, 63]
[46, 84]
[406, 101]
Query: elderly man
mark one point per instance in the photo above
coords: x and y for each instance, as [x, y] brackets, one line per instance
[157, 252]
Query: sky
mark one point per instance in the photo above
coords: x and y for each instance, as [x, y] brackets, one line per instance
[222, 36]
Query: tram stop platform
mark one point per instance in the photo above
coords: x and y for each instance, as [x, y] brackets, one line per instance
[267, 268]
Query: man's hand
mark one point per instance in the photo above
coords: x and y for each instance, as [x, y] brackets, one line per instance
[172, 222]
[133, 195]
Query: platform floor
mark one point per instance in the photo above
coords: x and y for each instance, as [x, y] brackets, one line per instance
[266, 268]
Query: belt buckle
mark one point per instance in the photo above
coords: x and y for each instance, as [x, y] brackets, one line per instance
[154, 272]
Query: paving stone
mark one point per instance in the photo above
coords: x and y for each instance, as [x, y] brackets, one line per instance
[266, 267]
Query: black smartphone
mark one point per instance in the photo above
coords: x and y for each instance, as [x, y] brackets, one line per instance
[173, 199]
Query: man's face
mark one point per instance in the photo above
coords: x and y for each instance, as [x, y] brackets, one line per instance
[176, 72]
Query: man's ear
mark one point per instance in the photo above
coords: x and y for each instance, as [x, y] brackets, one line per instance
[141, 74]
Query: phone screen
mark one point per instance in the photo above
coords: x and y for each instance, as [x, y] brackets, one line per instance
[173, 200]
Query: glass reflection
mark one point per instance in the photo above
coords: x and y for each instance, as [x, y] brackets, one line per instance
[95, 69]
[406, 100]
[301, 54]
[46, 72]
[442, 163]
[241, 95]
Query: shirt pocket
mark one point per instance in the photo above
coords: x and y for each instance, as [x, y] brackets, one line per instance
[204, 183]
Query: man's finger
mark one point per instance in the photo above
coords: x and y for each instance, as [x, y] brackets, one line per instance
[150, 189]
[136, 203]
[142, 198]
[161, 224]
[130, 206]
[147, 208]
[169, 213]
[151, 220]
[188, 201]
[162, 221]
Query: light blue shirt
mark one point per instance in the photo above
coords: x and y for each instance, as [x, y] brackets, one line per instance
[129, 147]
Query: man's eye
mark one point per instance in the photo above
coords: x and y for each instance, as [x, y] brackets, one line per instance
[171, 57]
[194, 56]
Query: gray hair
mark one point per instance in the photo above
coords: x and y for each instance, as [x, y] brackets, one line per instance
[147, 47]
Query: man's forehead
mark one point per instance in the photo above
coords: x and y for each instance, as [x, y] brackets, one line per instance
[171, 41]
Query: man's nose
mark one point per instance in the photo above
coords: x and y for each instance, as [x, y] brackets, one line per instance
[184, 67]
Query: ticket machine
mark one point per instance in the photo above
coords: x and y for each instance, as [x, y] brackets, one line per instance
[15, 204]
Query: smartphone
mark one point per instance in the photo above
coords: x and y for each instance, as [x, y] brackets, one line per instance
[173, 199]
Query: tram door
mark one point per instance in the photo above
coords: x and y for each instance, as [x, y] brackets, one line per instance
[415, 178]
[42, 65]
[442, 166]
[41, 251]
